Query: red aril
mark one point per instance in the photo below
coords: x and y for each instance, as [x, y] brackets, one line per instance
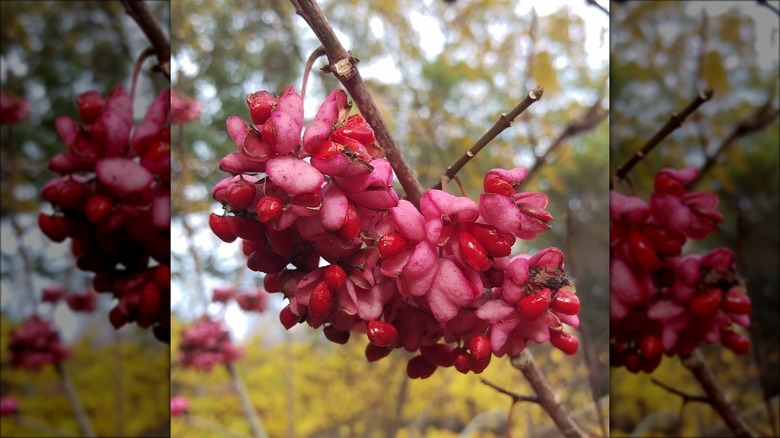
[737, 303]
[391, 244]
[320, 302]
[98, 207]
[269, 208]
[498, 186]
[564, 341]
[706, 303]
[222, 227]
[381, 333]
[736, 342]
[240, 194]
[54, 227]
[335, 277]
[419, 368]
[375, 352]
[534, 305]
[473, 252]
[480, 348]
[650, 345]
[566, 303]
[336, 336]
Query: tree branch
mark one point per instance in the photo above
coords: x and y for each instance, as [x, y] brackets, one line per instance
[756, 122]
[139, 12]
[685, 396]
[503, 122]
[715, 395]
[768, 5]
[78, 409]
[344, 66]
[674, 122]
[548, 399]
[589, 120]
[601, 8]
[246, 403]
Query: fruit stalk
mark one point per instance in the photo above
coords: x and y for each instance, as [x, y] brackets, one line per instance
[344, 67]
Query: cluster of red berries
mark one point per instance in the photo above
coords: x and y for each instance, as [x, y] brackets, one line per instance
[663, 302]
[85, 301]
[254, 301]
[113, 201]
[206, 344]
[437, 279]
[35, 344]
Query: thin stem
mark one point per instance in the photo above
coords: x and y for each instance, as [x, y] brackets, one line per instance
[316, 54]
[344, 66]
[78, 409]
[246, 403]
[674, 122]
[548, 399]
[601, 8]
[589, 120]
[503, 122]
[515, 396]
[756, 122]
[137, 68]
[716, 396]
[139, 12]
[768, 5]
[685, 396]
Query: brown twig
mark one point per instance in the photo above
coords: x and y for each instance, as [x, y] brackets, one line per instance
[756, 122]
[78, 409]
[503, 122]
[685, 396]
[601, 8]
[589, 120]
[548, 399]
[768, 5]
[246, 403]
[515, 396]
[674, 122]
[139, 12]
[344, 66]
[716, 396]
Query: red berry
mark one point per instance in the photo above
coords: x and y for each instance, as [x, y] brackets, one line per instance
[335, 277]
[650, 345]
[320, 302]
[288, 318]
[643, 252]
[634, 362]
[462, 360]
[54, 227]
[480, 348]
[375, 352]
[260, 105]
[149, 305]
[419, 368]
[240, 194]
[706, 303]
[222, 226]
[90, 105]
[534, 305]
[499, 186]
[351, 227]
[737, 303]
[391, 244]
[564, 341]
[649, 365]
[381, 333]
[473, 252]
[736, 342]
[70, 194]
[269, 208]
[327, 150]
[247, 228]
[98, 207]
[271, 282]
[666, 242]
[337, 336]
[442, 355]
[117, 318]
[477, 366]
[492, 240]
[666, 183]
[566, 303]
[356, 128]
[268, 133]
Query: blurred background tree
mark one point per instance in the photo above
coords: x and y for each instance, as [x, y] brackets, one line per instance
[51, 52]
[662, 55]
[441, 74]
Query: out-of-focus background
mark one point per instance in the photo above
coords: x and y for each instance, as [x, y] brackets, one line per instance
[662, 54]
[441, 73]
[52, 51]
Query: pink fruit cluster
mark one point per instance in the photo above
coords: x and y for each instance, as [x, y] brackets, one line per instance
[206, 344]
[253, 301]
[179, 406]
[184, 109]
[35, 344]
[13, 109]
[663, 302]
[437, 280]
[8, 406]
[113, 201]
